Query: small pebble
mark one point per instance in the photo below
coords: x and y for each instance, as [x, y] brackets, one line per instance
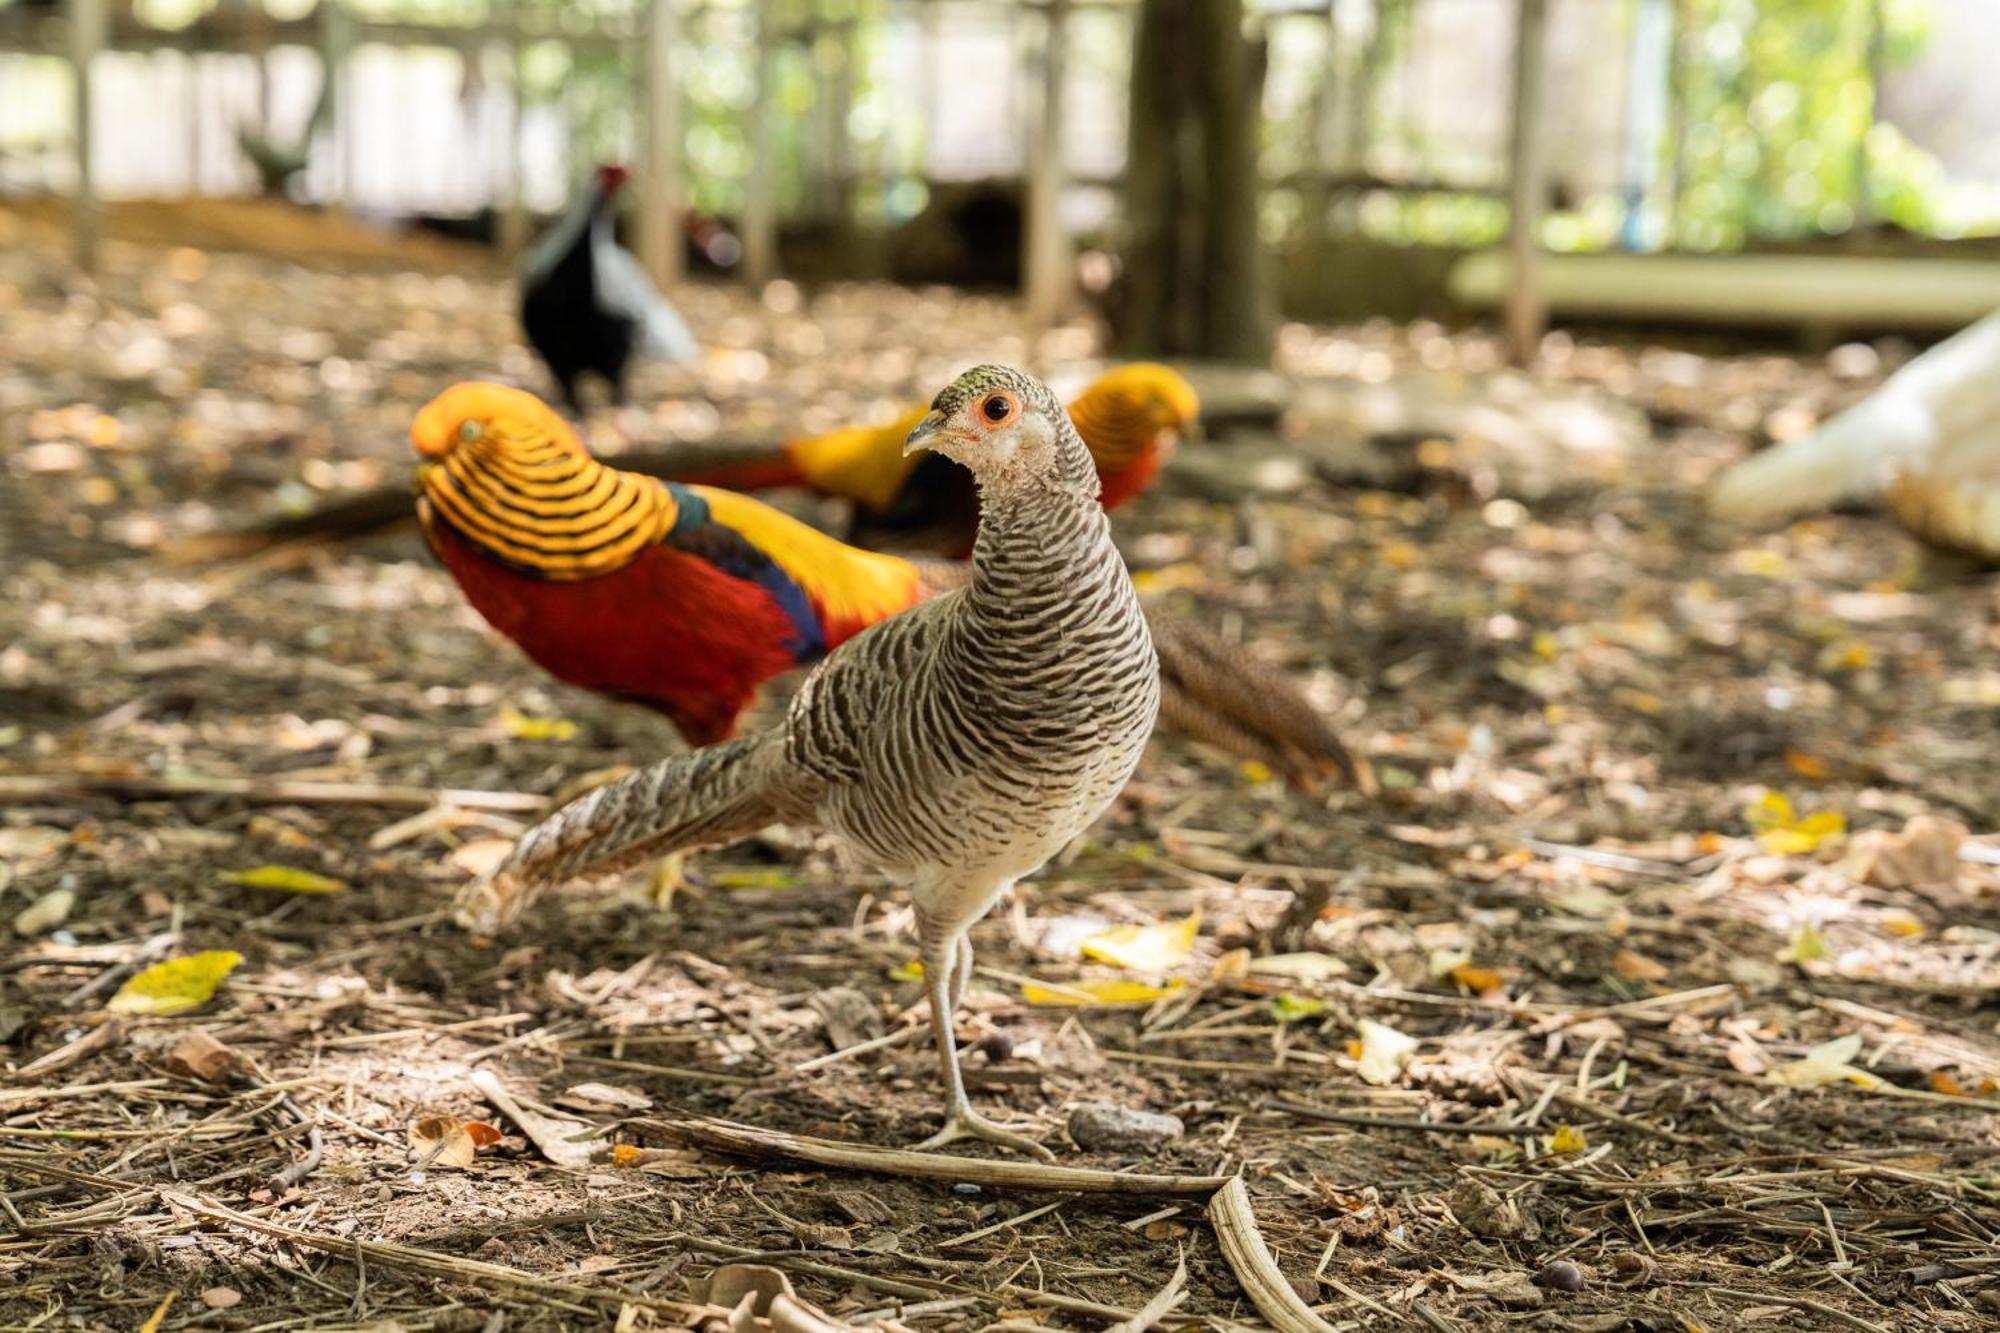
[222, 1298]
[1562, 1275]
[1100, 1128]
[965, 1189]
[996, 1046]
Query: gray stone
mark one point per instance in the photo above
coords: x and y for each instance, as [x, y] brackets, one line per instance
[1099, 1128]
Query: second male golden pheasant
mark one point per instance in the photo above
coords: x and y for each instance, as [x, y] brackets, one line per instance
[688, 598]
[1129, 418]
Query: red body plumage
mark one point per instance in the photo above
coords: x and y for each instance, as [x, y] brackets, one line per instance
[669, 630]
[1127, 482]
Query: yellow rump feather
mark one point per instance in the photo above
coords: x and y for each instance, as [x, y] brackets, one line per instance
[851, 587]
[863, 463]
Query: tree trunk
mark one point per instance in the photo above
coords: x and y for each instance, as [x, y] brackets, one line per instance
[1236, 327]
[1193, 272]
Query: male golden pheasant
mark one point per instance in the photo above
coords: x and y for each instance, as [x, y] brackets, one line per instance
[688, 598]
[1130, 418]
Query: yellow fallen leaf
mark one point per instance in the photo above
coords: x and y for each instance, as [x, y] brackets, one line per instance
[1762, 563]
[521, 726]
[1807, 946]
[1150, 949]
[1478, 980]
[1784, 833]
[1828, 1062]
[1900, 923]
[1093, 994]
[910, 971]
[1846, 655]
[1290, 1008]
[1774, 811]
[1568, 1139]
[756, 877]
[1382, 1052]
[177, 985]
[1254, 772]
[624, 1154]
[283, 879]
[1945, 1082]
[159, 1315]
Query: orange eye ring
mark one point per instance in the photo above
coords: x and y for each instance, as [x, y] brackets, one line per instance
[997, 409]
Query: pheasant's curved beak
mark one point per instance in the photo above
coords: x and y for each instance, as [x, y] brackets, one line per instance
[925, 432]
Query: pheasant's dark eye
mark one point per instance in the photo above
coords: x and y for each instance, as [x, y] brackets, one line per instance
[997, 408]
[469, 431]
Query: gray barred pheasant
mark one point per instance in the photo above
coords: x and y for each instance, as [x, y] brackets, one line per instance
[957, 746]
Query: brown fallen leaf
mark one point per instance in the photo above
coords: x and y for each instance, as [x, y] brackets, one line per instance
[1637, 967]
[199, 1056]
[1924, 852]
[1484, 1211]
[448, 1143]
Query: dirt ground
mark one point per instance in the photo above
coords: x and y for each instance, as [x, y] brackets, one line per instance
[1620, 965]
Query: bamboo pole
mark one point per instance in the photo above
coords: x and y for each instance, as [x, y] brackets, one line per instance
[659, 231]
[88, 22]
[1527, 309]
[1046, 265]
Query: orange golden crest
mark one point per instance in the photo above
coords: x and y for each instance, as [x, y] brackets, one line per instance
[462, 412]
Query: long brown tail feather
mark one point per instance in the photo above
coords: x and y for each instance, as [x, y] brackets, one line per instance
[1217, 693]
[704, 798]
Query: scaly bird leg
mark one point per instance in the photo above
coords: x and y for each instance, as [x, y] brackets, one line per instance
[961, 973]
[669, 876]
[947, 958]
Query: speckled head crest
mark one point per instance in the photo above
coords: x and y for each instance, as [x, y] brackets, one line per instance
[1009, 429]
[981, 380]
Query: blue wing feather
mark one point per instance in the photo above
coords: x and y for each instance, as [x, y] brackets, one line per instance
[698, 532]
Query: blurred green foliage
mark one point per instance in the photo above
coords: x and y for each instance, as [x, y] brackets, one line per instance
[1779, 107]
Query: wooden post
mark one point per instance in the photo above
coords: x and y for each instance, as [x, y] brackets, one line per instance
[88, 21]
[1527, 187]
[336, 38]
[661, 248]
[1047, 269]
[760, 198]
[511, 226]
[833, 151]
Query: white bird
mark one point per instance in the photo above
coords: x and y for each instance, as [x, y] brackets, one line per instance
[1926, 444]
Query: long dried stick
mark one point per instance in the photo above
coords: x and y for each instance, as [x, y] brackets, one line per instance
[750, 1141]
[1256, 1271]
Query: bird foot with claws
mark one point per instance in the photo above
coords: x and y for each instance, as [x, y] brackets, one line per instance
[969, 1124]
